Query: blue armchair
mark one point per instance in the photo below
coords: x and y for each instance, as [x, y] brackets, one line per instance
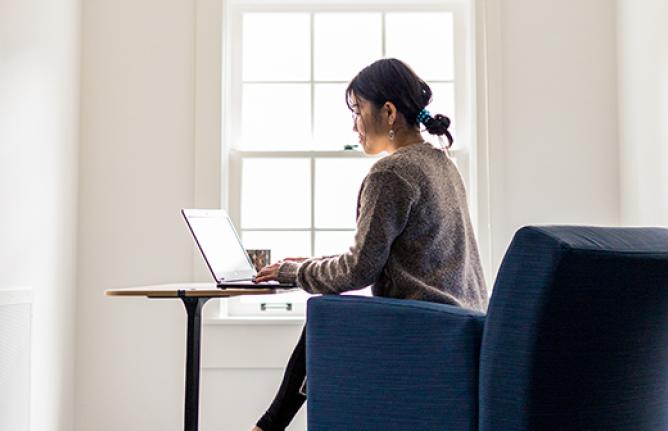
[575, 338]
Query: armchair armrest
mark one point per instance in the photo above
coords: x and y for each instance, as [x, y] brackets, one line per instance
[389, 364]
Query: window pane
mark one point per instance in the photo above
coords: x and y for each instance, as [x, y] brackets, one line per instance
[276, 116]
[276, 47]
[281, 244]
[344, 43]
[330, 243]
[276, 193]
[424, 41]
[333, 121]
[337, 184]
[454, 160]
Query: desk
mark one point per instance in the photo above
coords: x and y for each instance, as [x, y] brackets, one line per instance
[194, 296]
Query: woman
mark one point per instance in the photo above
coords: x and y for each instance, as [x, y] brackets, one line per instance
[414, 238]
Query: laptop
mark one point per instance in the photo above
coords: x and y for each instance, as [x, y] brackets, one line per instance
[223, 252]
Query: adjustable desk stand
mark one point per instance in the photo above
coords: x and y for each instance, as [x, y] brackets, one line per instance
[194, 296]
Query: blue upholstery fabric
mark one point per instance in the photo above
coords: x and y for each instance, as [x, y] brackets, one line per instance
[386, 364]
[576, 335]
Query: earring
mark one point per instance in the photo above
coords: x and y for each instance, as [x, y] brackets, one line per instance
[391, 134]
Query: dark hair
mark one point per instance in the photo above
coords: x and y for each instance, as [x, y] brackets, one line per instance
[391, 80]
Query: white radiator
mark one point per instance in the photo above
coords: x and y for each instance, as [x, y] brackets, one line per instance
[15, 317]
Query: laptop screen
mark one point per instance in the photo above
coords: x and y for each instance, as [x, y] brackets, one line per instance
[219, 244]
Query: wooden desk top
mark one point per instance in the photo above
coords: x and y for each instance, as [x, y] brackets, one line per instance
[175, 290]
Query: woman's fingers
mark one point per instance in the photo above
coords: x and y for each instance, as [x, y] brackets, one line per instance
[268, 273]
[269, 268]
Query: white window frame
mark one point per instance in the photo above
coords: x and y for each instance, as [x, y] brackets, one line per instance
[231, 159]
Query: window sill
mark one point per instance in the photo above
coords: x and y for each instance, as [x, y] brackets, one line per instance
[256, 320]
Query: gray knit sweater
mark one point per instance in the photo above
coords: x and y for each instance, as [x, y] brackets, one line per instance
[414, 238]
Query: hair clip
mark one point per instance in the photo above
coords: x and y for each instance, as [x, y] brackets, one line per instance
[423, 116]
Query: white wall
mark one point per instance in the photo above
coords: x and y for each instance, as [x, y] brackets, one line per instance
[553, 144]
[39, 127]
[643, 111]
[143, 118]
[136, 173]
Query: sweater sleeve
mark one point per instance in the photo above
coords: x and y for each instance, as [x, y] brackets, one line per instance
[385, 205]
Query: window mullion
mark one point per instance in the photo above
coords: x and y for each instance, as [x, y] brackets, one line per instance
[312, 35]
[382, 31]
[312, 67]
[312, 206]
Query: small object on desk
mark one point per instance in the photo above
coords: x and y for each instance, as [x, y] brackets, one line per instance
[260, 257]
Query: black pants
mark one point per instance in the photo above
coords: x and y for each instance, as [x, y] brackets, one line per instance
[291, 393]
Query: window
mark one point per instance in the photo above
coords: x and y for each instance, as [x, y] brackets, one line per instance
[294, 166]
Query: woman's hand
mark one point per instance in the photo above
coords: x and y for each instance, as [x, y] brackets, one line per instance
[268, 273]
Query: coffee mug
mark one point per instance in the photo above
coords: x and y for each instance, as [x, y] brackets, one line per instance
[259, 257]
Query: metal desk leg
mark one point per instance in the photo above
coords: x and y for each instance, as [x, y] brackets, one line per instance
[194, 309]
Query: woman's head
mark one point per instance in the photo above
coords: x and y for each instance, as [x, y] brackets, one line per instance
[386, 98]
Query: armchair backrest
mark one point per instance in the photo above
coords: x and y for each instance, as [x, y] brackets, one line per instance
[576, 335]
[391, 364]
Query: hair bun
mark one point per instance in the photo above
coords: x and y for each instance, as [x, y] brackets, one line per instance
[445, 120]
[438, 125]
